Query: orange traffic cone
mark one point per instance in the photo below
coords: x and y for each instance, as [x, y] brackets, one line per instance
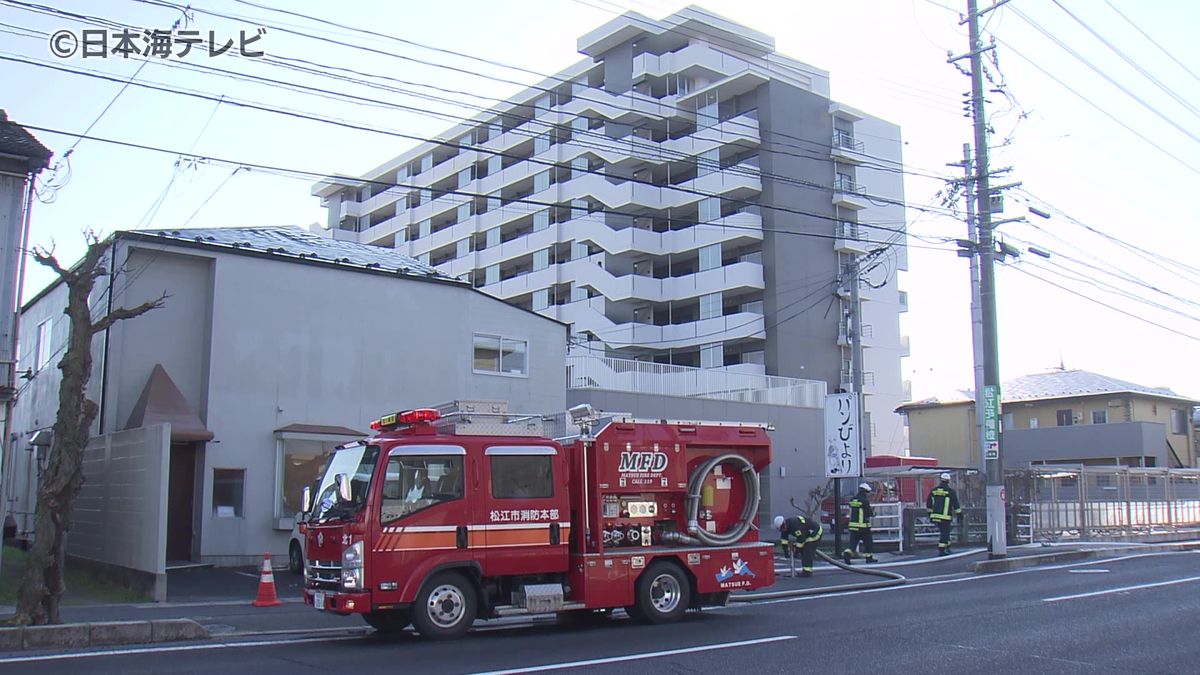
[266, 586]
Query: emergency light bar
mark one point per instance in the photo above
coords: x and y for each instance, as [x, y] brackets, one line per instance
[406, 417]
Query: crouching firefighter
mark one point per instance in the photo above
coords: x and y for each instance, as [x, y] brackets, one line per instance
[860, 526]
[943, 507]
[799, 532]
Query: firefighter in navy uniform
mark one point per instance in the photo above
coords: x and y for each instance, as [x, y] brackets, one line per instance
[943, 507]
[860, 526]
[800, 532]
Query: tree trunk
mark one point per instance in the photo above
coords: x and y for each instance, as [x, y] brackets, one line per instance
[43, 583]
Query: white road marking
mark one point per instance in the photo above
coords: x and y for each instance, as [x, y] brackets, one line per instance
[1121, 590]
[1046, 568]
[644, 655]
[163, 650]
[1087, 571]
[905, 563]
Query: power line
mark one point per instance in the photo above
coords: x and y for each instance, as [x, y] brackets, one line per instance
[1153, 41]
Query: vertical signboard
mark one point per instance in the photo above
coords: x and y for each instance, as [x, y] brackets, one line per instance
[991, 422]
[843, 453]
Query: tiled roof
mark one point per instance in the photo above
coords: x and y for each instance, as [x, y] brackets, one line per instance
[1053, 384]
[296, 243]
[14, 140]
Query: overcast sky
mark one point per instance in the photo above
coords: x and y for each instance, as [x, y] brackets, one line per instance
[1120, 294]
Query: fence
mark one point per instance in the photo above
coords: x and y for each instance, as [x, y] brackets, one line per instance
[1094, 502]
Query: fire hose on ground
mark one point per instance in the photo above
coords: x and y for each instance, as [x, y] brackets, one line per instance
[698, 536]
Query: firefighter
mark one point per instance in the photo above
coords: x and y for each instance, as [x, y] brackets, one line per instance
[943, 506]
[799, 532]
[860, 526]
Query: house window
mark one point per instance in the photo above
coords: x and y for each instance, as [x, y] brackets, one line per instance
[1033, 423]
[301, 463]
[228, 490]
[1065, 419]
[1178, 422]
[416, 482]
[498, 355]
[1099, 417]
[44, 334]
[522, 476]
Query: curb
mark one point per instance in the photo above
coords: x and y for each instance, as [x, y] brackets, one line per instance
[1007, 564]
[100, 633]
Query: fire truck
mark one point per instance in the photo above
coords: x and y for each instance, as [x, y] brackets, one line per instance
[465, 511]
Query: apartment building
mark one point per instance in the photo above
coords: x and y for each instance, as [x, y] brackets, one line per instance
[683, 195]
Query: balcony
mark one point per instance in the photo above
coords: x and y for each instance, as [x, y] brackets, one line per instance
[848, 239]
[846, 148]
[849, 194]
[657, 379]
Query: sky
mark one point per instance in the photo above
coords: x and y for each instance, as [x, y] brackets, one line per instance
[1119, 294]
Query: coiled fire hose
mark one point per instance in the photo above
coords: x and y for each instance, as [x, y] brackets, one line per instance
[698, 536]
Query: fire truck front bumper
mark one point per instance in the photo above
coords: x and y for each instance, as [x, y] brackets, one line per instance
[338, 602]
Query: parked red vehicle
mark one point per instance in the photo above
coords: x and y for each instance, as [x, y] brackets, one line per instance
[453, 513]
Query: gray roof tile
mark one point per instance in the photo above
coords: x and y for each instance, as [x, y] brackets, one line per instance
[15, 140]
[1054, 384]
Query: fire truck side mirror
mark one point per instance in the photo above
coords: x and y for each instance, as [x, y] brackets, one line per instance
[343, 487]
[305, 500]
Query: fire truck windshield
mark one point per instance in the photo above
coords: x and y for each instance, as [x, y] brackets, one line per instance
[358, 464]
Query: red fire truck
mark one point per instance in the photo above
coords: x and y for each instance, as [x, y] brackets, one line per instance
[464, 511]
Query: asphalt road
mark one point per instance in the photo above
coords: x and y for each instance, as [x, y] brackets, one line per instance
[1130, 614]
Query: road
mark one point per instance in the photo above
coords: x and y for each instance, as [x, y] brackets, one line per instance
[1128, 614]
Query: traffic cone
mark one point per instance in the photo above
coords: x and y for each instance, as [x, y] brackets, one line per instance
[266, 586]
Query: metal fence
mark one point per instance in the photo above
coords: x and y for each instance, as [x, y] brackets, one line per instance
[1054, 503]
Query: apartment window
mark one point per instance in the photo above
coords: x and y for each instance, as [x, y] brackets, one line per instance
[44, 335]
[578, 293]
[759, 357]
[541, 181]
[426, 163]
[229, 486]
[708, 162]
[541, 143]
[491, 274]
[753, 307]
[541, 299]
[493, 237]
[464, 212]
[578, 208]
[710, 209]
[462, 248]
[425, 228]
[466, 176]
[542, 105]
[1178, 422]
[706, 110]
[579, 250]
[710, 257]
[579, 166]
[521, 476]
[541, 259]
[494, 164]
[710, 305]
[499, 355]
[1099, 417]
[1065, 418]
[541, 220]
[712, 356]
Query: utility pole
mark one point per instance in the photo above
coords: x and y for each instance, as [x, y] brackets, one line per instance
[856, 386]
[990, 411]
[968, 166]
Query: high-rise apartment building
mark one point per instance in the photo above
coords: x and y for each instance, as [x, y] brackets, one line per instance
[683, 195]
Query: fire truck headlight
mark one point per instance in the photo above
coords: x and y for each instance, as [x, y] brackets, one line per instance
[352, 580]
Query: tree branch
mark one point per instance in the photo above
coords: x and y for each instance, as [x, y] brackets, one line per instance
[121, 313]
[47, 258]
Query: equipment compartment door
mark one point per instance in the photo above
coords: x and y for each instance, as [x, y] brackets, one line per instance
[526, 515]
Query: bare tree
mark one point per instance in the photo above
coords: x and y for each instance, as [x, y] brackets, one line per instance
[42, 585]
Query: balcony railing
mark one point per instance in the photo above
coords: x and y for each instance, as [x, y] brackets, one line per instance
[659, 379]
[847, 141]
[848, 186]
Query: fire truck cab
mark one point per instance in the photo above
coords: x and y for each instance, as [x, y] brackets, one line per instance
[464, 511]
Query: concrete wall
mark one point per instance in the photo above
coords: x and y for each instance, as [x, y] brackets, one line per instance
[794, 265]
[120, 515]
[797, 464]
[1087, 443]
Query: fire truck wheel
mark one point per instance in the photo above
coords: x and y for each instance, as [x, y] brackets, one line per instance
[388, 623]
[445, 607]
[662, 594]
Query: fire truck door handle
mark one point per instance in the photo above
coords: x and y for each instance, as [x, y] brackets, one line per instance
[554, 534]
[460, 536]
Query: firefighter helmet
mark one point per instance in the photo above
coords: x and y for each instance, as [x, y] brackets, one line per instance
[945, 477]
[778, 522]
[864, 486]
